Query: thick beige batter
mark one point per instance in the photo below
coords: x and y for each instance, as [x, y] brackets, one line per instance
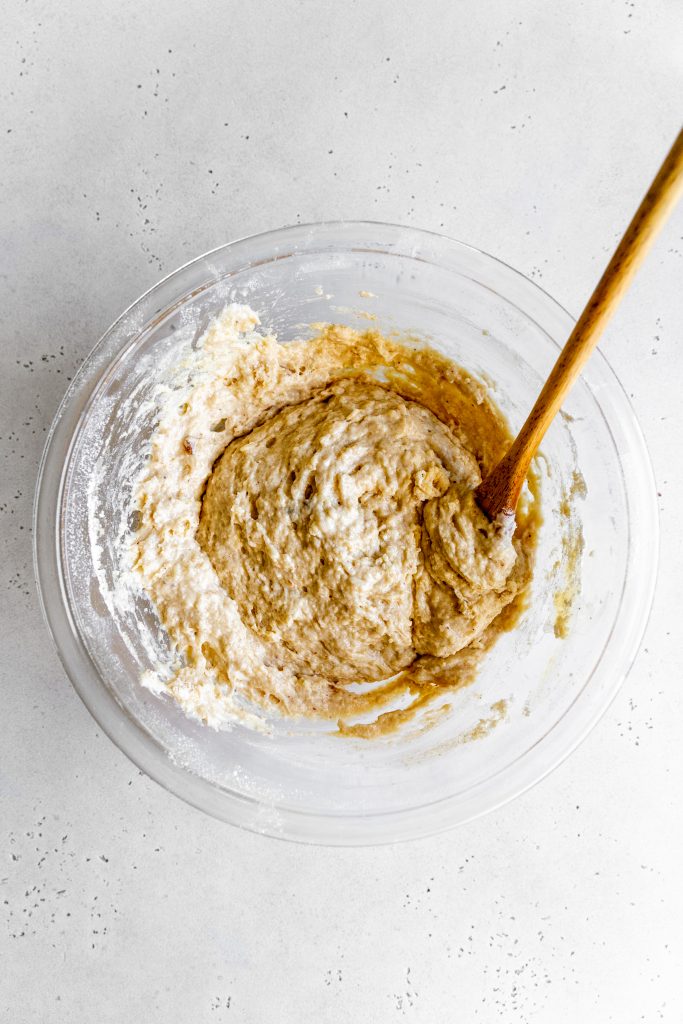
[307, 524]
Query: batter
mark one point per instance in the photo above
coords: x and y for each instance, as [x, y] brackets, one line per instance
[307, 524]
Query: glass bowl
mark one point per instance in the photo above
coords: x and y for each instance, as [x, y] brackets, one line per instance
[538, 693]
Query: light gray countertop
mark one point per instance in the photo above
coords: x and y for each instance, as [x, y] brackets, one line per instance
[135, 136]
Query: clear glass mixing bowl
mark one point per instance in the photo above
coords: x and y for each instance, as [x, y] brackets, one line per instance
[303, 782]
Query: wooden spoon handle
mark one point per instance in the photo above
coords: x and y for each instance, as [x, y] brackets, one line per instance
[500, 491]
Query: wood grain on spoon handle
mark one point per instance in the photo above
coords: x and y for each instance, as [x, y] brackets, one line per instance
[500, 491]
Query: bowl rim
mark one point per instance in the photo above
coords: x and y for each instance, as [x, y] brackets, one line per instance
[132, 738]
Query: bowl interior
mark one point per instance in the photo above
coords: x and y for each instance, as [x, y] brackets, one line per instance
[538, 691]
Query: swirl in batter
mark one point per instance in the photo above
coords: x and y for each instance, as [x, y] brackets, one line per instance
[307, 524]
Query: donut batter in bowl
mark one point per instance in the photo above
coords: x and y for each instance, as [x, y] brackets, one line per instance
[307, 531]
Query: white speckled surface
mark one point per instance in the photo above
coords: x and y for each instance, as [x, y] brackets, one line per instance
[135, 136]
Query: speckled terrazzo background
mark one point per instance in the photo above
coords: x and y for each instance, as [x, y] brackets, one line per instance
[135, 136]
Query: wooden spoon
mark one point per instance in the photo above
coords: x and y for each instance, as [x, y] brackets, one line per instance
[500, 491]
